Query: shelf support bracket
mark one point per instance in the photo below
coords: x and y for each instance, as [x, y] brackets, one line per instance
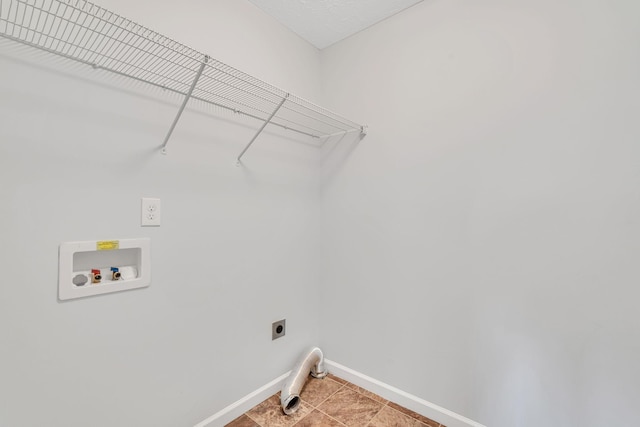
[184, 104]
[261, 129]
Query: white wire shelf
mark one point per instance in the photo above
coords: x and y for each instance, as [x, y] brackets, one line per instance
[84, 32]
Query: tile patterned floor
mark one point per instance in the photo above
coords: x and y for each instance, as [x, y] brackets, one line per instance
[333, 402]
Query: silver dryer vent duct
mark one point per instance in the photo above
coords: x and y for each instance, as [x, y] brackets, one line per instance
[311, 361]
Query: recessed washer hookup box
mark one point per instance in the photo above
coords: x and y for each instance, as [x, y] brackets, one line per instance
[98, 267]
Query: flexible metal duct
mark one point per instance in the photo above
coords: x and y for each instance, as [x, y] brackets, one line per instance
[311, 361]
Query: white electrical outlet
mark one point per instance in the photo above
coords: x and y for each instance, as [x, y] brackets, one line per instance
[150, 212]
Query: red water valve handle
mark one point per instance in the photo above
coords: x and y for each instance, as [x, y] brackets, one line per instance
[96, 277]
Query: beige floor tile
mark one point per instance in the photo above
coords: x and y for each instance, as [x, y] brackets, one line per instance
[350, 407]
[242, 421]
[269, 413]
[388, 417]
[415, 415]
[367, 393]
[318, 419]
[315, 390]
[339, 403]
[337, 379]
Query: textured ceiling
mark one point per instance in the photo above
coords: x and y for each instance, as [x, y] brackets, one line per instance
[325, 22]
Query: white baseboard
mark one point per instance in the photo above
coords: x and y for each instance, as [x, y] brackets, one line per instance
[233, 411]
[402, 398]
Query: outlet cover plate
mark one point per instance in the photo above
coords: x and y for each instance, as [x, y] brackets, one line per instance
[150, 212]
[278, 329]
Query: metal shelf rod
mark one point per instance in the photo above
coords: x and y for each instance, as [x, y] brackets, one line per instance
[344, 132]
[184, 104]
[89, 34]
[260, 130]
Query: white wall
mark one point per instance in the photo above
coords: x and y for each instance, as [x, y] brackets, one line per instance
[236, 251]
[481, 243]
[478, 245]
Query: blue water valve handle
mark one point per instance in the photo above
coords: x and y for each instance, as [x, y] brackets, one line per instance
[115, 273]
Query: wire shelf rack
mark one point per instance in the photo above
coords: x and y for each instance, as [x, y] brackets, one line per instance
[84, 32]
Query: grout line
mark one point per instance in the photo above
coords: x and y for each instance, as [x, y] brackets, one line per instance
[357, 390]
[375, 415]
[316, 408]
[307, 403]
[301, 419]
[412, 417]
[249, 416]
[327, 398]
[360, 390]
[335, 419]
[406, 415]
[387, 403]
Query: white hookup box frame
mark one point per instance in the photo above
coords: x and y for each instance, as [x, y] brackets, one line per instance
[131, 257]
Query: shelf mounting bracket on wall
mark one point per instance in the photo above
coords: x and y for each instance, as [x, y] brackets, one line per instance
[81, 31]
[184, 103]
[261, 129]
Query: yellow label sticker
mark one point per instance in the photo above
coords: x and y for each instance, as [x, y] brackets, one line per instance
[108, 245]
